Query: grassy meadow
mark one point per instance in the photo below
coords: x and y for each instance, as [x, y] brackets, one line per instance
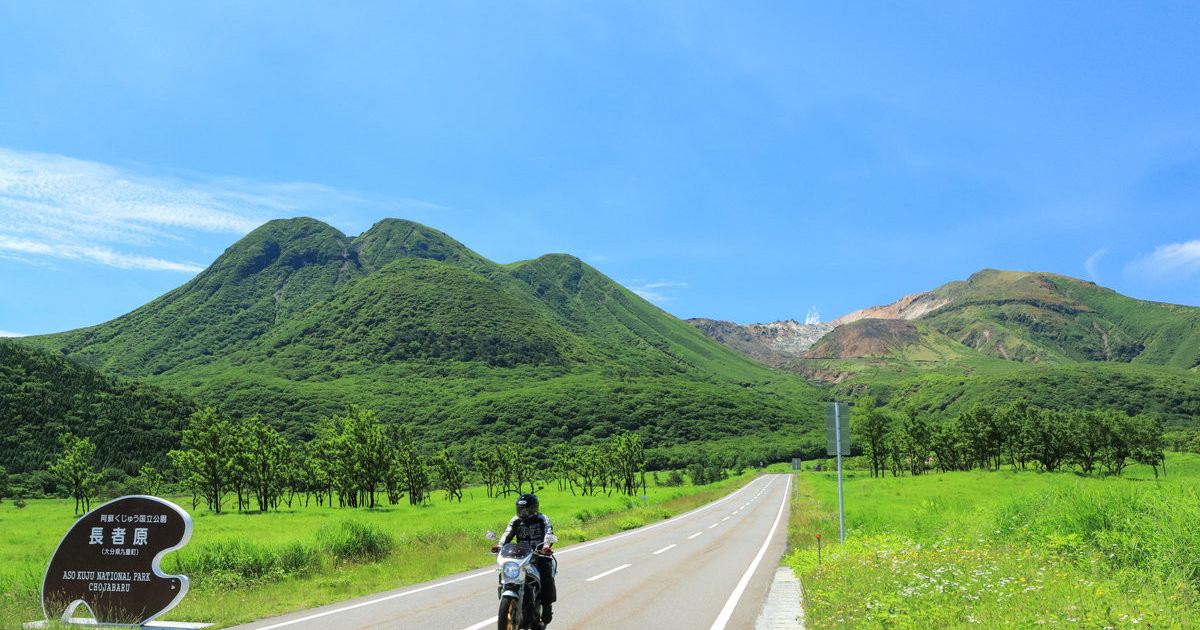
[252, 565]
[1002, 549]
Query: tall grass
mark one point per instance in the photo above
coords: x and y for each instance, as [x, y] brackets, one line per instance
[1003, 549]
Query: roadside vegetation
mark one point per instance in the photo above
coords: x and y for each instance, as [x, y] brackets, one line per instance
[1002, 548]
[244, 566]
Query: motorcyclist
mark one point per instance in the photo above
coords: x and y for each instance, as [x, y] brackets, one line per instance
[531, 527]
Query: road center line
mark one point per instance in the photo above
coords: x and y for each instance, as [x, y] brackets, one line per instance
[694, 535]
[608, 573]
[713, 525]
[646, 528]
[667, 548]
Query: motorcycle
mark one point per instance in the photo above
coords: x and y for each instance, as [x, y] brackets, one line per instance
[520, 585]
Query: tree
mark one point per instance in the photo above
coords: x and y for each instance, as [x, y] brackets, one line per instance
[979, 434]
[947, 445]
[629, 458]
[872, 424]
[917, 439]
[488, 469]
[151, 479]
[268, 464]
[451, 475]
[370, 450]
[1090, 438]
[76, 467]
[1008, 428]
[1147, 443]
[3, 483]
[1046, 435]
[206, 454]
[410, 467]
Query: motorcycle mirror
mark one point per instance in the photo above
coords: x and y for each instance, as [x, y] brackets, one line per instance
[551, 539]
[491, 535]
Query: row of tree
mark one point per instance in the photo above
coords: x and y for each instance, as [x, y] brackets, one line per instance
[352, 458]
[1018, 434]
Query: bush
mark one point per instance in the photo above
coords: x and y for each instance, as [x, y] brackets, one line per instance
[352, 540]
[674, 480]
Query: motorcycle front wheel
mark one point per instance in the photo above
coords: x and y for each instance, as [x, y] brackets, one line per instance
[510, 614]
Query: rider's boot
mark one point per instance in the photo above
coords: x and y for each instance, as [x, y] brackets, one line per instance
[547, 613]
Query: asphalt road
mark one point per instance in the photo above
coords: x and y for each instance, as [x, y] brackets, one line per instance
[708, 568]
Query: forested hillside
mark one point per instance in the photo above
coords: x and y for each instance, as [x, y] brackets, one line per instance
[1173, 396]
[43, 396]
[296, 320]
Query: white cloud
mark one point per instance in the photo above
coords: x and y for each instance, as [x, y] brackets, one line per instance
[1092, 261]
[1174, 259]
[651, 291]
[53, 206]
[5, 333]
[101, 255]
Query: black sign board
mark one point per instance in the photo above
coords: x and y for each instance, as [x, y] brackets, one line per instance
[109, 561]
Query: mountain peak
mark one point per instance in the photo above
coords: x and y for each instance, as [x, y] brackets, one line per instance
[392, 239]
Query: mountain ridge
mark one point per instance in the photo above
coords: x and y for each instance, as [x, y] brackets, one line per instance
[297, 319]
[1031, 317]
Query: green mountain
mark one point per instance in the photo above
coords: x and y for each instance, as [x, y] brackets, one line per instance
[43, 396]
[1048, 318]
[1056, 341]
[296, 320]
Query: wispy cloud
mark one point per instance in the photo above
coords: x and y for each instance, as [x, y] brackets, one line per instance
[57, 207]
[1092, 261]
[5, 333]
[652, 291]
[100, 255]
[1175, 259]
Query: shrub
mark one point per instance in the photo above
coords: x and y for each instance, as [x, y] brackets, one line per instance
[352, 540]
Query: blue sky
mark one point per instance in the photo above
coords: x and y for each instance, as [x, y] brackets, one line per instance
[746, 161]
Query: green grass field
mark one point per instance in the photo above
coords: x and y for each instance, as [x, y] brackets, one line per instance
[248, 566]
[1002, 549]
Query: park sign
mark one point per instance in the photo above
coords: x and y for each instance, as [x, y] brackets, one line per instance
[109, 562]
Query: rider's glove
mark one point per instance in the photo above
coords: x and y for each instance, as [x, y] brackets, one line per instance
[495, 548]
[546, 551]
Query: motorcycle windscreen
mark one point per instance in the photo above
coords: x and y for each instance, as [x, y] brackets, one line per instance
[515, 550]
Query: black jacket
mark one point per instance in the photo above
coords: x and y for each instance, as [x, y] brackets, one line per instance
[531, 531]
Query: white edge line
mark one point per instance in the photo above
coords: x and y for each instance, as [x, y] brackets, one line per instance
[667, 548]
[492, 571]
[484, 624]
[608, 573]
[377, 600]
[736, 595]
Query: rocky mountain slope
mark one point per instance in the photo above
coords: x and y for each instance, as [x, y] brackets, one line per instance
[775, 344]
[1014, 316]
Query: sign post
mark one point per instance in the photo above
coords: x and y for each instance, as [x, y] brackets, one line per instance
[109, 562]
[837, 442]
[797, 466]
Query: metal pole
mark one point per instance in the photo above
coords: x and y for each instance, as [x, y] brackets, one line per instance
[837, 429]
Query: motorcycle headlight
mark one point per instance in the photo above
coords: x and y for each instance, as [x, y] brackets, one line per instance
[511, 570]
